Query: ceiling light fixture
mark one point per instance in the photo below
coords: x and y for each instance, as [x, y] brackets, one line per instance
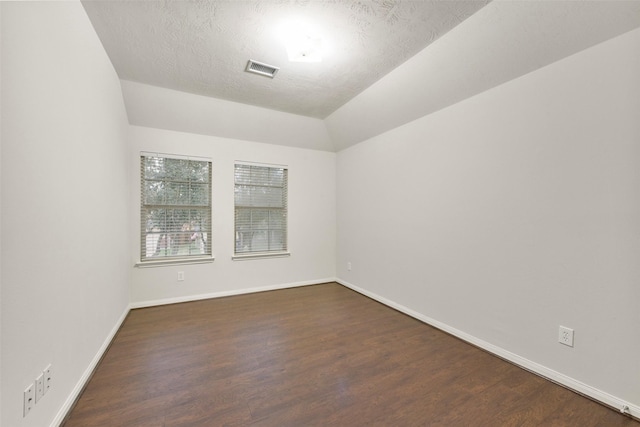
[303, 44]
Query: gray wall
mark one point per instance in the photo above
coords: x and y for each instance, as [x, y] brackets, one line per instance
[511, 213]
[65, 194]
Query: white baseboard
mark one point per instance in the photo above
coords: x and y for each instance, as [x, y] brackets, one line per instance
[175, 300]
[66, 407]
[541, 370]
[527, 364]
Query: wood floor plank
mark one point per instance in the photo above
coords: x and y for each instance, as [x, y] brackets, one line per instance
[312, 356]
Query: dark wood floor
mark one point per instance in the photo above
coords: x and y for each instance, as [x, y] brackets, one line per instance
[314, 356]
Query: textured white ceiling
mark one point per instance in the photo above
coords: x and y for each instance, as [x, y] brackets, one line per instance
[499, 43]
[391, 61]
[202, 46]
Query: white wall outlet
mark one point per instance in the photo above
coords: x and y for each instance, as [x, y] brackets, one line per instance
[565, 336]
[180, 276]
[349, 266]
[29, 397]
[39, 387]
[48, 379]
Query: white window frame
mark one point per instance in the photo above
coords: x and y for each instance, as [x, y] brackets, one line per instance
[202, 235]
[279, 209]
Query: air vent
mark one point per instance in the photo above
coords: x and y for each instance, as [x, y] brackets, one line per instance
[262, 69]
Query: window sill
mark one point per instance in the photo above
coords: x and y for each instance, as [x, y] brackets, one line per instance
[260, 256]
[168, 262]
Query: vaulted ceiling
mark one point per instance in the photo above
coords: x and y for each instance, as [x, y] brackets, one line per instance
[203, 47]
[417, 56]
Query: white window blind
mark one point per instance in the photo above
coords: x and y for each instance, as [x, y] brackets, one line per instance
[260, 209]
[175, 208]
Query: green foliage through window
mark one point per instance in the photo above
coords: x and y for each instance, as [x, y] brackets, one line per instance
[175, 208]
[260, 209]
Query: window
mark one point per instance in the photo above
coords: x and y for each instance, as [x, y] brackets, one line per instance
[175, 208]
[260, 210]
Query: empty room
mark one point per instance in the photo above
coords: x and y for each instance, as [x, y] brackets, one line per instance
[320, 213]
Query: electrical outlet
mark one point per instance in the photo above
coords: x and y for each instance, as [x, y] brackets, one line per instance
[349, 266]
[39, 387]
[565, 336]
[180, 276]
[29, 396]
[48, 379]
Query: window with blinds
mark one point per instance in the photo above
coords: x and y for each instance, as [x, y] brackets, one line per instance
[175, 208]
[260, 210]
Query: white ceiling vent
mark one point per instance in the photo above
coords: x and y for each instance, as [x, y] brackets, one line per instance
[262, 69]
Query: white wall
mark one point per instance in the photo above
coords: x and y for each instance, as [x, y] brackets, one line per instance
[312, 213]
[511, 213]
[0, 211]
[65, 195]
[476, 56]
[161, 108]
